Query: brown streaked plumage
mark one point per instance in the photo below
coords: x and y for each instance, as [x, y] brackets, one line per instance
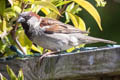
[57, 26]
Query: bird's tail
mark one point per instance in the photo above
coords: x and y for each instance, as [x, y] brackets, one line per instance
[105, 41]
[88, 39]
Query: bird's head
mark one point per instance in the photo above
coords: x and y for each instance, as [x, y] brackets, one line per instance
[25, 16]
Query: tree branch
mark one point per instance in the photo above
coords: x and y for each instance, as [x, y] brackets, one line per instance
[62, 10]
[13, 34]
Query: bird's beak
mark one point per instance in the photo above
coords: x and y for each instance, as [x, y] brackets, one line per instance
[20, 19]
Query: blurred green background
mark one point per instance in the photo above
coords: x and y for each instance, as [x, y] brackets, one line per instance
[110, 17]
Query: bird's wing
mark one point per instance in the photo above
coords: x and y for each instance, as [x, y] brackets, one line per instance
[54, 26]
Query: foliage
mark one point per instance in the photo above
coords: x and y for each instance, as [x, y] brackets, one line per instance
[52, 8]
[12, 74]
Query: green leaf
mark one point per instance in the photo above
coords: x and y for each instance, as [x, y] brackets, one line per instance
[77, 21]
[70, 7]
[20, 75]
[8, 9]
[101, 3]
[16, 9]
[71, 49]
[81, 23]
[86, 5]
[36, 9]
[55, 2]
[41, 49]
[29, 1]
[52, 15]
[11, 2]
[11, 73]
[2, 77]
[45, 10]
[3, 28]
[67, 17]
[17, 2]
[24, 41]
[9, 15]
[75, 9]
[47, 5]
[63, 3]
[2, 46]
[1, 24]
[74, 20]
[2, 7]
[36, 49]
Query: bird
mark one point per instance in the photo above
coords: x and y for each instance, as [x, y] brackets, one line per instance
[52, 34]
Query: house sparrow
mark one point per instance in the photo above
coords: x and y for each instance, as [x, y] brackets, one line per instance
[52, 34]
